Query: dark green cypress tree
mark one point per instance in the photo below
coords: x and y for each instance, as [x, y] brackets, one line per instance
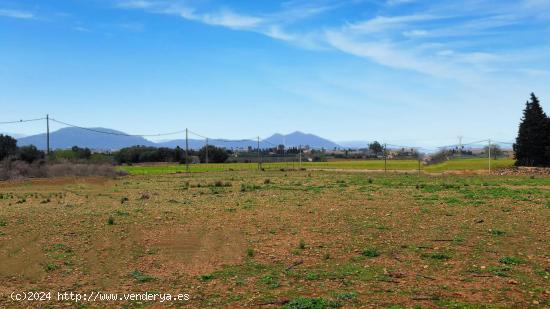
[533, 136]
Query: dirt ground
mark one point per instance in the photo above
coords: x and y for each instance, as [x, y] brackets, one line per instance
[300, 239]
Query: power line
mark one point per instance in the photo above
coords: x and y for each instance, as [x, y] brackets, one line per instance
[22, 120]
[116, 133]
[250, 140]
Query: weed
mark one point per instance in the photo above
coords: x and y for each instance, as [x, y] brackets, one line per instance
[302, 244]
[250, 252]
[510, 260]
[312, 303]
[370, 252]
[122, 213]
[3, 222]
[50, 267]
[141, 277]
[220, 184]
[206, 277]
[249, 187]
[111, 220]
[439, 256]
[267, 181]
[497, 232]
[124, 199]
[271, 281]
[312, 276]
[346, 295]
[501, 271]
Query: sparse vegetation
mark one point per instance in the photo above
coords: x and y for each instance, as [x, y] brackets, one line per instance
[296, 241]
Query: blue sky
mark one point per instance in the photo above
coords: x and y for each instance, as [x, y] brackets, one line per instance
[403, 71]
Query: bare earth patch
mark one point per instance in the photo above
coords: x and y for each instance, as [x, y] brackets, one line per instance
[269, 239]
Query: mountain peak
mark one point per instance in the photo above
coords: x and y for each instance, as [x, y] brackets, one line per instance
[67, 137]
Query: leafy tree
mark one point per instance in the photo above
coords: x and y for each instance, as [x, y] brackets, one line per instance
[215, 154]
[376, 148]
[29, 154]
[496, 151]
[81, 153]
[533, 140]
[138, 154]
[8, 146]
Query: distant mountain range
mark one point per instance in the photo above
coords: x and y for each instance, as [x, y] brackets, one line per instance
[114, 140]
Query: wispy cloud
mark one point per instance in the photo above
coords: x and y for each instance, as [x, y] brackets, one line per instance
[16, 14]
[437, 40]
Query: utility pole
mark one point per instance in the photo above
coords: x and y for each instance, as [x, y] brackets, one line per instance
[489, 156]
[259, 159]
[385, 159]
[300, 154]
[47, 136]
[460, 146]
[186, 150]
[419, 164]
[206, 150]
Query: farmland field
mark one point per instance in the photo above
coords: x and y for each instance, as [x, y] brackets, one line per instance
[457, 164]
[297, 239]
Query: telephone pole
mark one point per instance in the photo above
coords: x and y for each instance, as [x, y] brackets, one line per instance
[206, 150]
[489, 156]
[419, 163]
[460, 146]
[300, 152]
[385, 159]
[259, 159]
[186, 150]
[47, 136]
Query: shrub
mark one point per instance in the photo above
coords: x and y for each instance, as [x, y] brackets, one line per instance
[29, 154]
[510, 260]
[8, 146]
[141, 277]
[371, 252]
[15, 169]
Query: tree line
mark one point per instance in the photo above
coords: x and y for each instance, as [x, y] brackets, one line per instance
[532, 147]
[129, 155]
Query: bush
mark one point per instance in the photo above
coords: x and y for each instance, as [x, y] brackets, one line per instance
[8, 146]
[139, 154]
[215, 154]
[14, 169]
[29, 154]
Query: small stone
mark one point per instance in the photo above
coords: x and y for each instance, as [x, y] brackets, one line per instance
[512, 281]
[535, 302]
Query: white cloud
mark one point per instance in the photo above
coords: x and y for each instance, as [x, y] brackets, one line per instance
[437, 41]
[415, 33]
[231, 19]
[16, 14]
[385, 23]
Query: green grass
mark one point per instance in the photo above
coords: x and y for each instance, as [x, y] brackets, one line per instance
[470, 164]
[455, 164]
